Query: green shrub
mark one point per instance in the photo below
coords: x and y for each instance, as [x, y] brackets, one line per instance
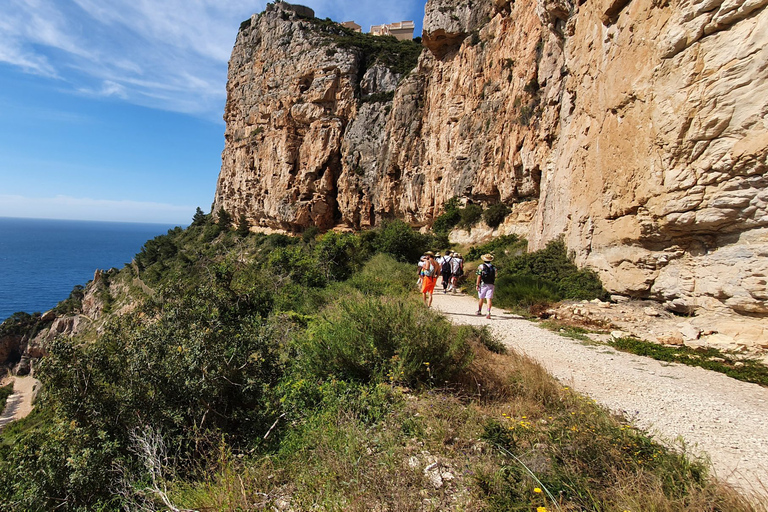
[524, 291]
[537, 278]
[399, 240]
[224, 218]
[309, 234]
[369, 339]
[61, 465]
[582, 284]
[243, 226]
[551, 263]
[495, 214]
[73, 303]
[295, 263]
[379, 97]
[382, 275]
[506, 245]
[470, 215]
[450, 217]
[338, 255]
[21, 323]
[400, 56]
[5, 392]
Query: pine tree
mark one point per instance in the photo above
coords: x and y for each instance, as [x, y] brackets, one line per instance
[243, 227]
[224, 218]
[199, 218]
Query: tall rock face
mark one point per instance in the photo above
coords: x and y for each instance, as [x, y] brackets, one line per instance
[637, 129]
[290, 97]
[657, 177]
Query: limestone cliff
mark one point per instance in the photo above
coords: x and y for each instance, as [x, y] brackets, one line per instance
[637, 129]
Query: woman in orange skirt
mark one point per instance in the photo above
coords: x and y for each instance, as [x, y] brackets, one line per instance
[429, 272]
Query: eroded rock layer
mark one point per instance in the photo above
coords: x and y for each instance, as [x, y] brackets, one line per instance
[638, 129]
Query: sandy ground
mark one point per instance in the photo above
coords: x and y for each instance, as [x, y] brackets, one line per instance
[19, 404]
[713, 415]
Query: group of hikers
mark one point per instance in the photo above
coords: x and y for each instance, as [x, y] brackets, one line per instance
[450, 268]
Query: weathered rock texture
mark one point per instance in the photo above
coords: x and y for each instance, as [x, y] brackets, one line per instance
[24, 343]
[638, 129]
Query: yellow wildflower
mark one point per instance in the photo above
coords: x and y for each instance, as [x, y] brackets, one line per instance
[536, 489]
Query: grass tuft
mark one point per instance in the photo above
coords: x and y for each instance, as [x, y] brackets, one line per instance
[733, 365]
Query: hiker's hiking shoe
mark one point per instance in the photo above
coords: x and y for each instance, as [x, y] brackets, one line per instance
[479, 313]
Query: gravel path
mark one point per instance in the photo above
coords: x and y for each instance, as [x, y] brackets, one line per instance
[712, 414]
[19, 404]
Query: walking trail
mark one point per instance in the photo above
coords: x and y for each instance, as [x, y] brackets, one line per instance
[19, 404]
[709, 413]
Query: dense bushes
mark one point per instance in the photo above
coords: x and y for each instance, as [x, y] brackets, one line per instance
[203, 357]
[5, 392]
[204, 366]
[237, 333]
[465, 217]
[469, 215]
[399, 240]
[495, 214]
[540, 277]
[370, 339]
[450, 217]
[400, 56]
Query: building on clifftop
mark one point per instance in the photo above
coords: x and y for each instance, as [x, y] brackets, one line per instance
[402, 30]
[352, 25]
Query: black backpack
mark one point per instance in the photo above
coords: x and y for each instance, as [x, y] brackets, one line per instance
[446, 269]
[488, 274]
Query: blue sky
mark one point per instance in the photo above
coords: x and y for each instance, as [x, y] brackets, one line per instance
[112, 109]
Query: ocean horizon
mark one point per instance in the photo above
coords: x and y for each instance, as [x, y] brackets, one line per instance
[42, 260]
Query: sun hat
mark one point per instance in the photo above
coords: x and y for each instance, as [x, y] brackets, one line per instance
[487, 257]
[429, 253]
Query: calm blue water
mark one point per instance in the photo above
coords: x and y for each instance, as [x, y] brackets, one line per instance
[42, 260]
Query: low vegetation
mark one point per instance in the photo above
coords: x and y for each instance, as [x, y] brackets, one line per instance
[733, 365]
[530, 282]
[399, 56]
[260, 372]
[5, 392]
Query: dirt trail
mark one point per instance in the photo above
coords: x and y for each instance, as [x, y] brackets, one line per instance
[714, 415]
[19, 404]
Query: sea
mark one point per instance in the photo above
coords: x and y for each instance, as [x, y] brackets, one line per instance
[42, 260]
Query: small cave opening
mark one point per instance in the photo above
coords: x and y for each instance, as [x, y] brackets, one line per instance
[14, 356]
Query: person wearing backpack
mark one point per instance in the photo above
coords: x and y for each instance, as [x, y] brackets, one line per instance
[445, 266]
[486, 280]
[457, 270]
[429, 272]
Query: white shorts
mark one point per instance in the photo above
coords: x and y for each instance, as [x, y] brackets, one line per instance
[486, 291]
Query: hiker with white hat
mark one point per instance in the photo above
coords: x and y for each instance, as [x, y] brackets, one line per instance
[486, 279]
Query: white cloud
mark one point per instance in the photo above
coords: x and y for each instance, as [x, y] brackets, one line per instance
[169, 54]
[110, 88]
[78, 208]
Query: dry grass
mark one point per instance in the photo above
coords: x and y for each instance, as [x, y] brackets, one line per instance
[504, 432]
